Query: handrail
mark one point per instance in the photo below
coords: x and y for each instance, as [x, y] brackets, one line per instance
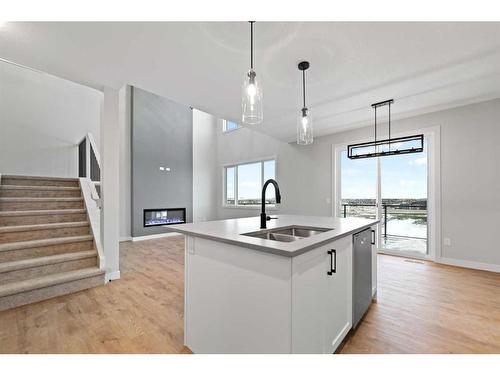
[94, 194]
[93, 207]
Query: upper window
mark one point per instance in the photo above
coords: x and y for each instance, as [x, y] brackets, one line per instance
[243, 183]
[227, 126]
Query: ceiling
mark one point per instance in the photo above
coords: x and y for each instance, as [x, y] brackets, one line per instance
[424, 66]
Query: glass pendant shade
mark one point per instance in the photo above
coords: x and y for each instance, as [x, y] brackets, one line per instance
[251, 100]
[304, 128]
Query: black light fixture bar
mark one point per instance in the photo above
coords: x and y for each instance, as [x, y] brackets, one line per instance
[386, 147]
[376, 149]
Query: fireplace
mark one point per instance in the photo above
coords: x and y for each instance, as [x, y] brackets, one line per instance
[164, 216]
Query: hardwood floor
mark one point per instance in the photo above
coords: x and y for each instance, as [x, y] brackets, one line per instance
[422, 308]
[140, 313]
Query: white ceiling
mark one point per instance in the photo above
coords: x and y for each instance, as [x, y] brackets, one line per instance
[423, 66]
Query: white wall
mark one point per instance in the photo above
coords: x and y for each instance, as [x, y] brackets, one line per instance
[125, 164]
[245, 145]
[110, 190]
[470, 176]
[205, 169]
[42, 119]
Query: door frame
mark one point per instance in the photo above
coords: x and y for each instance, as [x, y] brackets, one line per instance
[432, 136]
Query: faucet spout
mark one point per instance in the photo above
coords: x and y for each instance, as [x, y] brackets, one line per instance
[263, 215]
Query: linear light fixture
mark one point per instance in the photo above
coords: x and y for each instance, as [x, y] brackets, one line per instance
[386, 147]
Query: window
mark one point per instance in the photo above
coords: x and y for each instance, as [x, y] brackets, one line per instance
[243, 183]
[228, 126]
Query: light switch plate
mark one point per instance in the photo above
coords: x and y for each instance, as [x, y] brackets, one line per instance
[447, 241]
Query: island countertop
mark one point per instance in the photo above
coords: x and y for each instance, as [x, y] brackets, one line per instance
[231, 231]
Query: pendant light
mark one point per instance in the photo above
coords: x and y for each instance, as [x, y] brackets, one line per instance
[304, 123]
[386, 147]
[251, 100]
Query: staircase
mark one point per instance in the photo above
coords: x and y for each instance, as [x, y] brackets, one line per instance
[47, 248]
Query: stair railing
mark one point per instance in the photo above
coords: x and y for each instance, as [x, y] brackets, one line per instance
[89, 171]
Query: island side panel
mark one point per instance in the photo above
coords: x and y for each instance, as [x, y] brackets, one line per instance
[237, 300]
[309, 297]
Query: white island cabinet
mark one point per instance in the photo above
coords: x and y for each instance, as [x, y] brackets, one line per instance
[321, 299]
[253, 295]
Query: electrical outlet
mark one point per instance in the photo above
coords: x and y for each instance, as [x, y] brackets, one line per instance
[447, 241]
[328, 200]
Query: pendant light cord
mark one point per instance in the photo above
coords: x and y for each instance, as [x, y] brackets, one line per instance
[304, 86]
[251, 44]
[375, 124]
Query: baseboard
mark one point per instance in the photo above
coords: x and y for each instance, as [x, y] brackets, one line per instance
[154, 236]
[125, 239]
[469, 264]
[114, 275]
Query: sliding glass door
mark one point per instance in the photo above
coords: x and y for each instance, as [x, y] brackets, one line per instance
[393, 189]
[358, 187]
[403, 194]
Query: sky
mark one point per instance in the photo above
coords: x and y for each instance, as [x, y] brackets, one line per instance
[402, 176]
[249, 180]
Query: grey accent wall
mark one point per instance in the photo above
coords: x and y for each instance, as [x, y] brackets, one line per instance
[162, 136]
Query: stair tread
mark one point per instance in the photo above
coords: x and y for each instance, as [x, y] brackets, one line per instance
[36, 187]
[44, 242]
[33, 227]
[43, 199]
[6, 176]
[46, 260]
[43, 212]
[49, 280]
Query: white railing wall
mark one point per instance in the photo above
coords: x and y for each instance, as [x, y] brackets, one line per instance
[93, 207]
[91, 196]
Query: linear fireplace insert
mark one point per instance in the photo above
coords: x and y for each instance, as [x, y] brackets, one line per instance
[164, 216]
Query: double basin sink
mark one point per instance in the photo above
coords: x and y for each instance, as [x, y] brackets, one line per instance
[287, 234]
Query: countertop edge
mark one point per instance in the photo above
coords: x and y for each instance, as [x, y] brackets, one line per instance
[289, 254]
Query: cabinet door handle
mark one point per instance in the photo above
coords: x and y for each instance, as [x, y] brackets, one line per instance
[373, 236]
[333, 261]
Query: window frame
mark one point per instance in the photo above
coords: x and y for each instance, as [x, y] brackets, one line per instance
[224, 126]
[225, 167]
[433, 138]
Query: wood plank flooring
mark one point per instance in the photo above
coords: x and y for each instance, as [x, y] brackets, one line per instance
[140, 313]
[422, 308]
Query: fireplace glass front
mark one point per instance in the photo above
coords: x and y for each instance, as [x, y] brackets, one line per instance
[164, 216]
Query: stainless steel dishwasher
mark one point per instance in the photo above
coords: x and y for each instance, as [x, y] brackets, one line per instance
[361, 274]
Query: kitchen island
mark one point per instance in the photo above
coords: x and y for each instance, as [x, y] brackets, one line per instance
[284, 289]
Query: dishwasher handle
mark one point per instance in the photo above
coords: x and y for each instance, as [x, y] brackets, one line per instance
[333, 262]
